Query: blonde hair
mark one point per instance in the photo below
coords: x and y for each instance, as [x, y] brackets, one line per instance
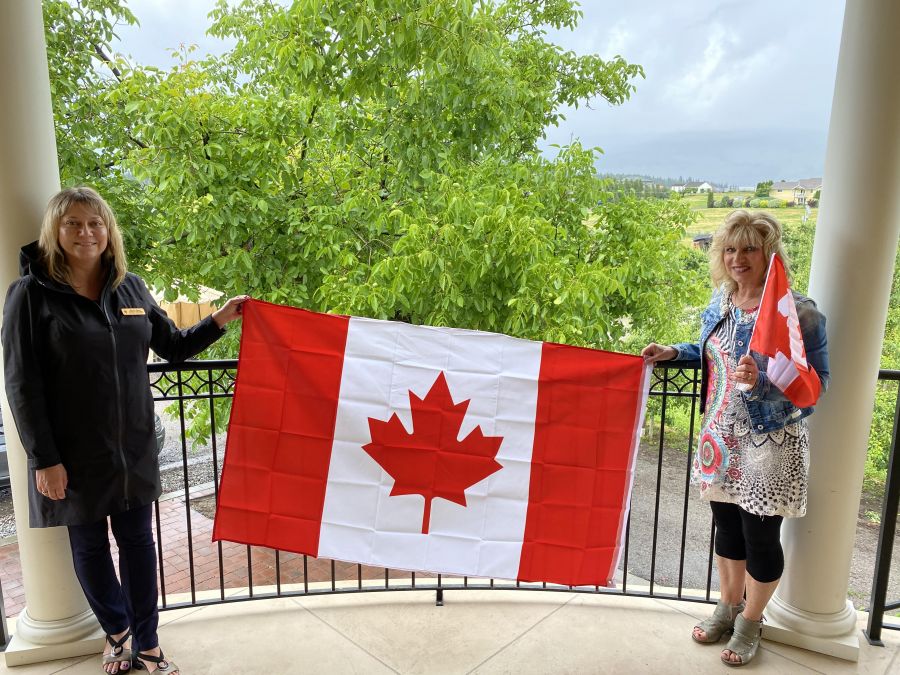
[54, 258]
[743, 228]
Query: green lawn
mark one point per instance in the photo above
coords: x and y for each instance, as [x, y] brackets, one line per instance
[710, 219]
[697, 201]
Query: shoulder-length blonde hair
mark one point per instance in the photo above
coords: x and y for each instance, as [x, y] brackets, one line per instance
[743, 228]
[54, 257]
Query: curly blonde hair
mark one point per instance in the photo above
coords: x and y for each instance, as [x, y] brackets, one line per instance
[744, 228]
[54, 258]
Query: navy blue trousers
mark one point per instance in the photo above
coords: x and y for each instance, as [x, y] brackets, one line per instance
[133, 602]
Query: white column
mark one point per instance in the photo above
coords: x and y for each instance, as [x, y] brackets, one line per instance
[852, 265]
[56, 622]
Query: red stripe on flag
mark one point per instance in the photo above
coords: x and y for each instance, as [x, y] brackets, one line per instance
[281, 428]
[588, 409]
[777, 329]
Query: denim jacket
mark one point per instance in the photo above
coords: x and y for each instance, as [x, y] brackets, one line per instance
[769, 408]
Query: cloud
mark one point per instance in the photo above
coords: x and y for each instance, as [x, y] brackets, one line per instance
[720, 75]
[697, 87]
[166, 25]
[618, 39]
[734, 157]
[756, 77]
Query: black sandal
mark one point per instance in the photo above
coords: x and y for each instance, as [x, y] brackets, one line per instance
[163, 665]
[118, 653]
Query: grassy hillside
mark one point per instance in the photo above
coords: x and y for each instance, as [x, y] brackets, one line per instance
[709, 219]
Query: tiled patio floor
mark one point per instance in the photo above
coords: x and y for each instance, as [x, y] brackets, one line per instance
[483, 632]
[476, 631]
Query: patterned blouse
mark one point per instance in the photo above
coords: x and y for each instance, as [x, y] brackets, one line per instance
[765, 474]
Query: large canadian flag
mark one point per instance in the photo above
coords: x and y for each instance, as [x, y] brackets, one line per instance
[430, 449]
[777, 335]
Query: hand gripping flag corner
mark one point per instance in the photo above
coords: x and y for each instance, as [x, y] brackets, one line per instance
[777, 335]
[430, 449]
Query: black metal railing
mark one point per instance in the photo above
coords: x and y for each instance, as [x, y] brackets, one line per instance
[668, 549]
[878, 602]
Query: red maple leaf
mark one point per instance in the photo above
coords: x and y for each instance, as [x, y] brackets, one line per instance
[430, 461]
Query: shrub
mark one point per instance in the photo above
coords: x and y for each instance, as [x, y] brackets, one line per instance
[880, 434]
[813, 203]
[676, 427]
[762, 189]
[710, 200]
[791, 204]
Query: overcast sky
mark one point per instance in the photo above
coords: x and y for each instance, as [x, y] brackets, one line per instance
[735, 92]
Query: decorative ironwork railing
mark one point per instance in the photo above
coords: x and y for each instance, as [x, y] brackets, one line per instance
[668, 545]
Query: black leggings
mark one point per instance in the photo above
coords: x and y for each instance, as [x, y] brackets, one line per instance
[756, 539]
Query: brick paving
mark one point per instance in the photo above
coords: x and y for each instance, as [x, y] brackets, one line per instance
[11, 578]
[212, 571]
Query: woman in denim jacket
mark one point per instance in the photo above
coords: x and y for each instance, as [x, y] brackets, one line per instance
[753, 456]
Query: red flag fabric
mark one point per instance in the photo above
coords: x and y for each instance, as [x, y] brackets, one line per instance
[430, 449]
[777, 335]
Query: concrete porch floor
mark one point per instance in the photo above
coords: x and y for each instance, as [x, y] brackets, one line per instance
[474, 632]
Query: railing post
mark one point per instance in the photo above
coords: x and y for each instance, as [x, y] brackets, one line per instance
[4, 633]
[885, 539]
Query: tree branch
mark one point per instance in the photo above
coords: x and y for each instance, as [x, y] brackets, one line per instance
[98, 50]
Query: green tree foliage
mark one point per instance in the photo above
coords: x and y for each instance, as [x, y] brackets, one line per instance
[81, 72]
[651, 187]
[93, 137]
[376, 158]
[762, 189]
[710, 199]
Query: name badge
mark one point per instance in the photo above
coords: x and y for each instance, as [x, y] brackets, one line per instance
[133, 311]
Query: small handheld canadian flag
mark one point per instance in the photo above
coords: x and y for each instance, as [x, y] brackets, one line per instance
[777, 335]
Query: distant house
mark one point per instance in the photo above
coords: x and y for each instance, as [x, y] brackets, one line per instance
[702, 241]
[697, 186]
[797, 191]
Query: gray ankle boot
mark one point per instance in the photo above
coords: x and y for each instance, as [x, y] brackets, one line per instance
[720, 623]
[745, 640]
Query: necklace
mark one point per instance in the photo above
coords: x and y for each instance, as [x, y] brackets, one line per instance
[747, 304]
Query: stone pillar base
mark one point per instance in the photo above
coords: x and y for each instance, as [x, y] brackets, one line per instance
[831, 634]
[36, 641]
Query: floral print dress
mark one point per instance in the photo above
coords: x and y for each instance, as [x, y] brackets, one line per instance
[765, 474]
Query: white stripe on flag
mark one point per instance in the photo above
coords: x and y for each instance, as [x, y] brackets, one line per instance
[383, 362]
[781, 370]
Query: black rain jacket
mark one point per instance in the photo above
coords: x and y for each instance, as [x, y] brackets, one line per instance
[76, 379]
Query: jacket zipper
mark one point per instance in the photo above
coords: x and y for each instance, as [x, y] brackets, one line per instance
[119, 413]
[115, 347]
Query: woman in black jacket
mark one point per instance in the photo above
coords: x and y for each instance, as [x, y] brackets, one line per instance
[76, 332]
